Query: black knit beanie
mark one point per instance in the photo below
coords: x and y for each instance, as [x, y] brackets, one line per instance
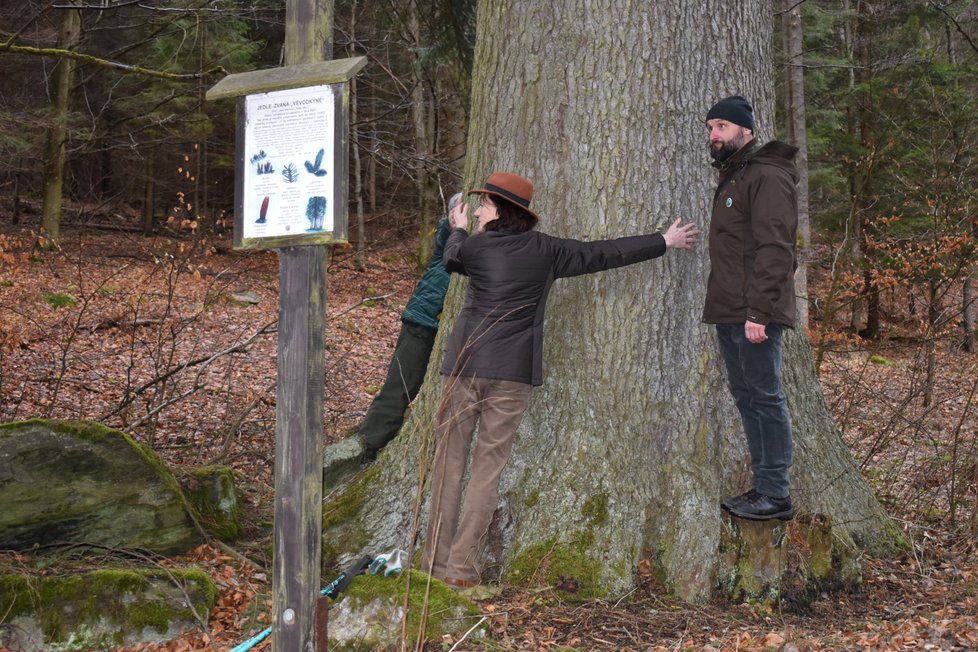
[733, 109]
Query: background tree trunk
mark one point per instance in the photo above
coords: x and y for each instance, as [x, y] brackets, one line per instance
[794, 84]
[149, 193]
[360, 257]
[970, 302]
[422, 110]
[54, 160]
[633, 439]
[863, 200]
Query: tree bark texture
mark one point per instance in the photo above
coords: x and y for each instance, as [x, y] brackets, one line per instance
[633, 439]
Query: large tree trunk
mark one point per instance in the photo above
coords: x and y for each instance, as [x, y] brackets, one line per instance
[633, 439]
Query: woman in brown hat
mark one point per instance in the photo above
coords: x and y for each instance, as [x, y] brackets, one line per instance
[493, 357]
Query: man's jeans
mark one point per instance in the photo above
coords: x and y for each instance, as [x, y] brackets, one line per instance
[754, 375]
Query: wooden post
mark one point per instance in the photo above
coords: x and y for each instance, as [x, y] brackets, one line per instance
[303, 258]
[301, 381]
[298, 447]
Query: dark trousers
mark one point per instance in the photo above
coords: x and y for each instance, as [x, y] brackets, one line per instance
[404, 378]
[754, 376]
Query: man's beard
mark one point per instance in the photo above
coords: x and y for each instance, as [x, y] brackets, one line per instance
[728, 149]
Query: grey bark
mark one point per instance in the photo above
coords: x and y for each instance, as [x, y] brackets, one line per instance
[633, 439]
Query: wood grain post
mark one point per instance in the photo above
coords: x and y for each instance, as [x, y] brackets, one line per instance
[300, 395]
[299, 447]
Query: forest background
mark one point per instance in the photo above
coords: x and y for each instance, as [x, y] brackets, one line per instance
[122, 301]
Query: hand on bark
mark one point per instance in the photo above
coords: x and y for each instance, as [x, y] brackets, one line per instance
[459, 216]
[754, 332]
[682, 236]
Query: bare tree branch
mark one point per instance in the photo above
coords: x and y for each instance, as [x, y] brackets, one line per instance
[88, 58]
[956, 24]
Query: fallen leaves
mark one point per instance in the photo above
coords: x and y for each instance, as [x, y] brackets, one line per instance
[158, 312]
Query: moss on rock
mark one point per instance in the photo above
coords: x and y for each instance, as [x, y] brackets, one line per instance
[104, 608]
[82, 481]
[212, 493]
[369, 614]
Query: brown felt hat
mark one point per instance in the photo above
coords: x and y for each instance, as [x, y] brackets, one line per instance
[511, 187]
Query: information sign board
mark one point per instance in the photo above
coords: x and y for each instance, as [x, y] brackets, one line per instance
[290, 163]
[291, 153]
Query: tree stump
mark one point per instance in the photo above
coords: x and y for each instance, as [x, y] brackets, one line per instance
[768, 563]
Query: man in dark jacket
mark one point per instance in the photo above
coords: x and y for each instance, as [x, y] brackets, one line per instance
[419, 324]
[750, 294]
[494, 354]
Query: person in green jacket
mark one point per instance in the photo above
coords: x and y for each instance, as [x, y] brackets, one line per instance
[419, 324]
[750, 294]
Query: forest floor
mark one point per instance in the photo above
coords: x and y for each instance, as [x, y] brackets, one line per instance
[88, 332]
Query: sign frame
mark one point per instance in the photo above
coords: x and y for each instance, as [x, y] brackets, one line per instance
[334, 76]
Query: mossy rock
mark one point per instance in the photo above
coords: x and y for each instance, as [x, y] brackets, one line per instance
[79, 481]
[212, 493]
[102, 609]
[369, 614]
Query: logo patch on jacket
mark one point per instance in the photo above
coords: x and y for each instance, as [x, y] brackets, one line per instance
[729, 202]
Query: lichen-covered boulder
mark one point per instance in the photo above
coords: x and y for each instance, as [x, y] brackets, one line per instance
[102, 609]
[213, 494]
[78, 481]
[369, 614]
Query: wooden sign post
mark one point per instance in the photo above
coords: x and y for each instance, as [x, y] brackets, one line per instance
[290, 195]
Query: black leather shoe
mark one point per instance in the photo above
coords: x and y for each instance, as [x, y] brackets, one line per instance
[764, 508]
[738, 499]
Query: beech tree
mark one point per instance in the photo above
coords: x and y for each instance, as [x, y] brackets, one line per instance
[633, 439]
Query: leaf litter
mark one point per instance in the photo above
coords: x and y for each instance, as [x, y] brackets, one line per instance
[144, 305]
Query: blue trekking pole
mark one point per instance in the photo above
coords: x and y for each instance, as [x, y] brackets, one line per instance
[332, 590]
